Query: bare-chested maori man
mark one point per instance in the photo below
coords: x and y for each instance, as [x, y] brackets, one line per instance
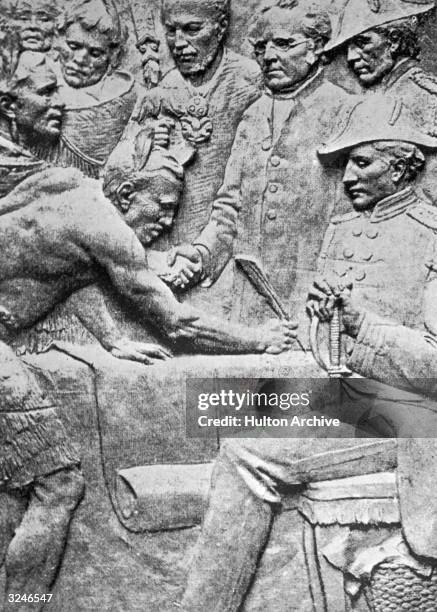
[58, 233]
[40, 481]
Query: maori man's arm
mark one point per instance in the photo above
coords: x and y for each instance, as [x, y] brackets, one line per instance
[89, 306]
[111, 243]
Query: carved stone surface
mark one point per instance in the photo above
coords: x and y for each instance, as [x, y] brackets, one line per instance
[193, 177]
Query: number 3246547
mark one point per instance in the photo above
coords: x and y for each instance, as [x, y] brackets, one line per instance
[29, 597]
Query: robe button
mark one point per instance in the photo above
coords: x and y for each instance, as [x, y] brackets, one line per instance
[372, 233]
[357, 232]
[348, 253]
[275, 161]
[266, 145]
[272, 214]
[273, 188]
[360, 276]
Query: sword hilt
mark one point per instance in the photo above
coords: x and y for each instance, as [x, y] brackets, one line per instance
[334, 367]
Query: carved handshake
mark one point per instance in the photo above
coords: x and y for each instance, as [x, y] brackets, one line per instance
[325, 294]
[187, 263]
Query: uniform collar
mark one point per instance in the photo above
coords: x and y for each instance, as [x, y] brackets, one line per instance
[401, 68]
[394, 205]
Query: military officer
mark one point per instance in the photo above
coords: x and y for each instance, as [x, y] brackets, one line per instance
[372, 245]
[386, 153]
[382, 45]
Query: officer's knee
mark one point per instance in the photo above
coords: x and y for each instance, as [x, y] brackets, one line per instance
[63, 489]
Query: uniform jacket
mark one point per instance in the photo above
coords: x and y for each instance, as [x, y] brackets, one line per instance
[418, 90]
[389, 255]
[387, 351]
[277, 198]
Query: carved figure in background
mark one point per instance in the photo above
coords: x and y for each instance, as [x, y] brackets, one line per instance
[40, 481]
[207, 92]
[275, 190]
[144, 196]
[99, 98]
[148, 45]
[66, 235]
[250, 474]
[78, 235]
[383, 47]
[35, 22]
[30, 113]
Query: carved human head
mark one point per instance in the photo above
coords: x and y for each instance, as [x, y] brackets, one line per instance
[91, 42]
[380, 169]
[145, 182]
[34, 21]
[29, 100]
[374, 53]
[383, 145]
[288, 38]
[378, 33]
[195, 31]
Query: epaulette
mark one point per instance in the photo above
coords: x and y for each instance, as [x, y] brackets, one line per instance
[425, 214]
[353, 214]
[425, 80]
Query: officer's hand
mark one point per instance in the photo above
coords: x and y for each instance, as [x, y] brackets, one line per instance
[325, 294]
[143, 352]
[277, 336]
[322, 298]
[352, 312]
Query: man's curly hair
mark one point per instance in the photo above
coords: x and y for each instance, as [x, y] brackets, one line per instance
[100, 15]
[404, 34]
[409, 153]
[315, 20]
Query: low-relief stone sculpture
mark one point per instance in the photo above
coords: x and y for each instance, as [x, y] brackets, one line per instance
[131, 193]
[205, 94]
[34, 22]
[385, 156]
[114, 198]
[273, 173]
[382, 45]
[73, 231]
[148, 45]
[96, 92]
